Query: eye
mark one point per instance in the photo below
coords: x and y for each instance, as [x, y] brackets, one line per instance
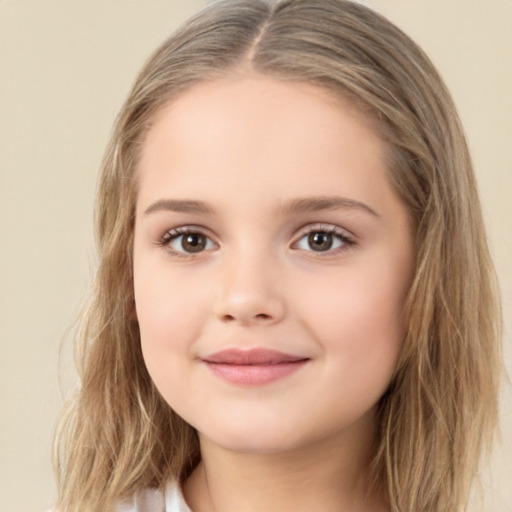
[187, 241]
[323, 239]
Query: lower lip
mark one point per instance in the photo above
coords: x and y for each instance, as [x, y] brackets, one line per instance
[255, 374]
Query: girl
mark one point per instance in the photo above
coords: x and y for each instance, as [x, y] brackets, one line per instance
[295, 307]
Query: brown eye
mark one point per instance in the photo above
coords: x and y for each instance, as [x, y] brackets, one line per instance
[330, 240]
[184, 241]
[193, 242]
[320, 240]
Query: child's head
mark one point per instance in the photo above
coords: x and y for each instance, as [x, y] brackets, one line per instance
[265, 221]
[438, 401]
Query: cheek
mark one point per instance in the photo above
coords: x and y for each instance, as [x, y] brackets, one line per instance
[357, 317]
[167, 302]
[169, 321]
[158, 314]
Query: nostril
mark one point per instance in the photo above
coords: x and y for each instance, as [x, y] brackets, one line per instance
[259, 316]
[249, 310]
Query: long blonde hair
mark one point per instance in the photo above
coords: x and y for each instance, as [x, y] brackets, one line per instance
[118, 435]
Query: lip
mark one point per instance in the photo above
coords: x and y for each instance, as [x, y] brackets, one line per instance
[253, 367]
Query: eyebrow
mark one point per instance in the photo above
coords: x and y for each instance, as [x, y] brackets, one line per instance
[295, 206]
[314, 204]
[177, 205]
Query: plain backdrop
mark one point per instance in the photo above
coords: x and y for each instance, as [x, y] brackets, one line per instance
[65, 68]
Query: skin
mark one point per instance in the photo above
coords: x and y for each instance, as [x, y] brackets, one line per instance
[249, 147]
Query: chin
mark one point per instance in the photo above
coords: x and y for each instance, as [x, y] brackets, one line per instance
[256, 446]
[256, 438]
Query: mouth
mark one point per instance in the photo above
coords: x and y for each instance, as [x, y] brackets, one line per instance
[253, 367]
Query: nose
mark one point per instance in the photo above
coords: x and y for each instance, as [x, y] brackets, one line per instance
[250, 292]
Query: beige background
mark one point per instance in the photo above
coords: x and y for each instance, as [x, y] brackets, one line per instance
[65, 67]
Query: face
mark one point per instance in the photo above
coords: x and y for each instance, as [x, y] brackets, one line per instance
[271, 263]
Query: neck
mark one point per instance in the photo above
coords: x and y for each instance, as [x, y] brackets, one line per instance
[328, 475]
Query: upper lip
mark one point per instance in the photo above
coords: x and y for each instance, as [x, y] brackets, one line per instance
[257, 356]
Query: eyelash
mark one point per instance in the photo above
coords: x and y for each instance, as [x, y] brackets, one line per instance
[173, 234]
[346, 240]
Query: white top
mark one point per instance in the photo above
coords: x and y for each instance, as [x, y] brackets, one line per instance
[152, 500]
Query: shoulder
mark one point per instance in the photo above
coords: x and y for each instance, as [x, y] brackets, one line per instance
[174, 500]
[154, 500]
[145, 500]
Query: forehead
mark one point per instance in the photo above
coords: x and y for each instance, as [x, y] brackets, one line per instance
[261, 99]
[272, 134]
